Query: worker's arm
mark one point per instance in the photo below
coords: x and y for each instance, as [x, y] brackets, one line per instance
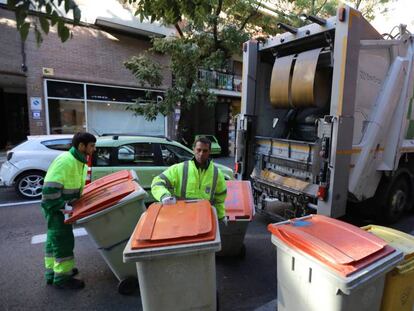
[52, 188]
[163, 185]
[220, 196]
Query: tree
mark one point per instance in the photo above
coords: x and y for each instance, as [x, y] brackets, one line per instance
[46, 13]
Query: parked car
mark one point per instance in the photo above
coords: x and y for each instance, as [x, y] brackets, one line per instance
[27, 163]
[215, 147]
[148, 156]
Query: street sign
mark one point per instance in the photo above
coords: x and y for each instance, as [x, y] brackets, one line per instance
[36, 115]
[36, 103]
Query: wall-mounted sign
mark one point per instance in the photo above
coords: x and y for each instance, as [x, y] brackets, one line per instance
[48, 71]
[36, 103]
[36, 115]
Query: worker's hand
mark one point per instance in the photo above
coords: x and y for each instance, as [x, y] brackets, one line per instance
[169, 200]
[67, 211]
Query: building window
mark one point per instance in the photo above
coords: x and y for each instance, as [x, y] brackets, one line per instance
[113, 118]
[66, 116]
[99, 109]
[65, 90]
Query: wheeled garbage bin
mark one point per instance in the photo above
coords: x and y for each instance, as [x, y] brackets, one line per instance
[109, 210]
[399, 282]
[174, 249]
[239, 213]
[327, 264]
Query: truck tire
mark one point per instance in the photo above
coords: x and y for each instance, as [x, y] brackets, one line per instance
[394, 197]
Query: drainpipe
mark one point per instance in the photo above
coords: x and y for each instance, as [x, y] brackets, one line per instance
[23, 51]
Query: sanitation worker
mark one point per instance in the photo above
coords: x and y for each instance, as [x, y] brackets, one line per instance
[63, 183]
[198, 178]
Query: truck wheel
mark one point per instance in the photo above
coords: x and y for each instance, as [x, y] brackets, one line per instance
[397, 200]
[128, 286]
[29, 184]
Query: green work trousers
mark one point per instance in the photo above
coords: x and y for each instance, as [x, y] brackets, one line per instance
[59, 260]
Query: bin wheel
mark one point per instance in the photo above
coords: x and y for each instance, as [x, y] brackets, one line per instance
[242, 253]
[128, 286]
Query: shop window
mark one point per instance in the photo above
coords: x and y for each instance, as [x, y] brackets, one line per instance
[66, 116]
[107, 117]
[117, 94]
[65, 90]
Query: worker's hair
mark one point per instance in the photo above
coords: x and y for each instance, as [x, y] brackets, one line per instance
[82, 137]
[203, 140]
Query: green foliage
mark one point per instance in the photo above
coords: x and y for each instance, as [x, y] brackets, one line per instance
[145, 70]
[45, 13]
[369, 8]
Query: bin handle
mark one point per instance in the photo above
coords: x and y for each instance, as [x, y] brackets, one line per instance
[406, 267]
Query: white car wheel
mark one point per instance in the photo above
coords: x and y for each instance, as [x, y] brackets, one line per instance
[29, 185]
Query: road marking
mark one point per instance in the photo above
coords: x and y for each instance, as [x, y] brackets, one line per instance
[20, 203]
[41, 238]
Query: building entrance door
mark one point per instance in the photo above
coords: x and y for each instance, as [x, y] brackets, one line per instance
[14, 119]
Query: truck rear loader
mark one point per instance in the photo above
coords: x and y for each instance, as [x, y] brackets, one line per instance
[327, 117]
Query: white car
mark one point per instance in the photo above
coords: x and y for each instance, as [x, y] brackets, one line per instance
[28, 162]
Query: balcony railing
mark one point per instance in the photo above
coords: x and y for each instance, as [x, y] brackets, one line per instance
[221, 81]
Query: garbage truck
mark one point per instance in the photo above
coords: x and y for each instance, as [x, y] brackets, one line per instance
[327, 118]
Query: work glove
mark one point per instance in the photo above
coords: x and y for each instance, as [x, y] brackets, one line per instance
[67, 211]
[168, 200]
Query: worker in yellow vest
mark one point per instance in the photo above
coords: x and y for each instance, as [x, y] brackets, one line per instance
[63, 183]
[198, 178]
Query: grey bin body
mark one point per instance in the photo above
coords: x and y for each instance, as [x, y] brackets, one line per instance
[232, 237]
[179, 277]
[111, 228]
[306, 284]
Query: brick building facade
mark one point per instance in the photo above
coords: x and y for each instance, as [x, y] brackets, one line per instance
[94, 57]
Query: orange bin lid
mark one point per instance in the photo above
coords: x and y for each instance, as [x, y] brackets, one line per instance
[341, 246]
[239, 200]
[101, 198]
[106, 180]
[181, 223]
